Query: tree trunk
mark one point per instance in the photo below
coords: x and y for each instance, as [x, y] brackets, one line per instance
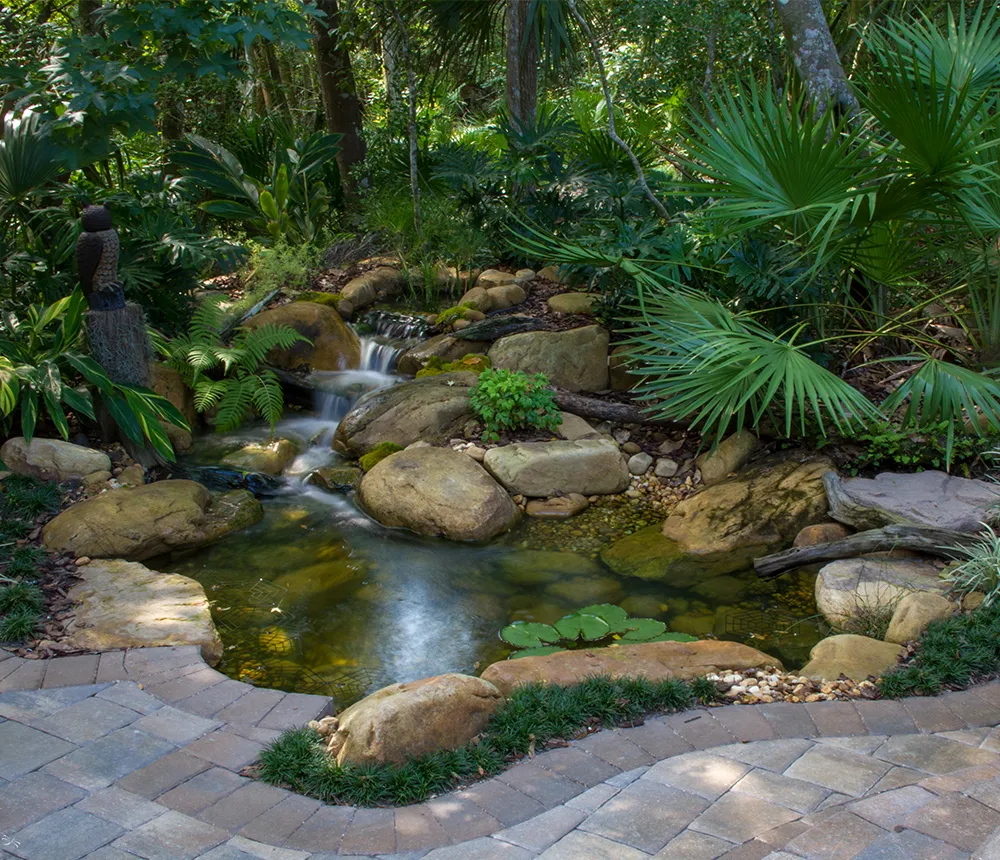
[815, 55]
[271, 83]
[340, 95]
[522, 65]
[85, 12]
[390, 68]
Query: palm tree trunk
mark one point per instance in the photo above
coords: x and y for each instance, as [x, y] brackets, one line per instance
[815, 55]
[340, 95]
[390, 68]
[86, 10]
[522, 66]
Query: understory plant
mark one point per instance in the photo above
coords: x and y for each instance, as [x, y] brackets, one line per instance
[886, 445]
[532, 715]
[506, 400]
[980, 569]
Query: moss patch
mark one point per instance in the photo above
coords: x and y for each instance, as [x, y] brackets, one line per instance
[378, 454]
[448, 316]
[471, 362]
[331, 300]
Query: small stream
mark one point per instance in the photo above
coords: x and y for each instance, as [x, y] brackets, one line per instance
[320, 598]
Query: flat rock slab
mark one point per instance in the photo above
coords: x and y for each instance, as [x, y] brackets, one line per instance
[543, 469]
[923, 499]
[122, 604]
[52, 459]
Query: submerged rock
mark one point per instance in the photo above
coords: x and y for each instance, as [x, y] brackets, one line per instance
[269, 458]
[576, 360]
[336, 479]
[655, 661]
[149, 520]
[437, 491]
[855, 657]
[538, 567]
[557, 507]
[331, 344]
[540, 469]
[123, 604]
[52, 459]
[404, 721]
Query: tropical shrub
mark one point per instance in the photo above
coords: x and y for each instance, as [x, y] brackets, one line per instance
[886, 446]
[506, 400]
[979, 567]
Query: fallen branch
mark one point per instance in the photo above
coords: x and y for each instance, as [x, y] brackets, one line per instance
[604, 410]
[933, 541]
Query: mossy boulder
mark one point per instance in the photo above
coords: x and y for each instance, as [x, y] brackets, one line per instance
[336, 479]
[330, 344]
[378, 454]
[471, 362]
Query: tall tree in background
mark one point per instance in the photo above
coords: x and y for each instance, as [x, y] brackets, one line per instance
[521, 44]
[815, 55]
[340, 94]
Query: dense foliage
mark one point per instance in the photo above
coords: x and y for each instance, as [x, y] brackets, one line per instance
[506, 400]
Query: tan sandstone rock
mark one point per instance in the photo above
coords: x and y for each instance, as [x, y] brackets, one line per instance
[731, 455]
[856, 657]
[404, 721]
[168, 383]
[52, 459]
[914, 613]
[821, 533]
[332, 345]
[268, 458]
[541, 469]
[572, 303]
[576, 360]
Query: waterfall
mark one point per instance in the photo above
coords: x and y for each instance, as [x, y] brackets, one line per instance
[387, 336]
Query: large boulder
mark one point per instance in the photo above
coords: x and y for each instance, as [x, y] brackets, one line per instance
[731, 456]
[851, 588]
[122, 604]
[855, 657]
[655, 661]
[437, 491]
[404, 721]
[268, 458]
[168, 383]
[572, 303]
[432, 410]
[923, 499]
[332, 344]
[576, 360]
[541, 469]
[149, 520]
[373, 286]
[914, 613]
[443, 346]
[52, 459]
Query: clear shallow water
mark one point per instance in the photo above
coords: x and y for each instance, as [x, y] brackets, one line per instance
[320, 598]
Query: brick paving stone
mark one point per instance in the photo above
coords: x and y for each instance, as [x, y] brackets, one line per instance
[986, 792]
[700, 729]
[739, 818]
[543, 830]
[26, 676]
[839, 837]
[932, 714]
[418, 830]
[779, 837]
[226, 749]
[910, 845]
[616, 749]
[578, 764]
[128, 695]
[26, 706]
[507, 805]
[160, 674]
[252, 707]
[959, 779]
[243, 805]
[211, 700]
[202, 791]
[278, 823]
[593, 798]
[704, 774]
[745, 724]
[789, 720]
[836, 719]
[890, 808]
[33, 796]
[969, 737]
[71, 671]
[645, 816]
[989, 850]
[24, 749]
[180, 688]
[462, 819]
[163, 774]
[296, 709]
[65, 835]
[122, 807]
[959, 820]
[897, 777]
[838, 770]
[481, 849]
[792, 793]
[628, 777]
[577, 846]
[658, 739]
[754, 850]
[322, 831]
[371, 831]
[861, 745]
[136, 658]
[109, 759]
[9, 664]
[548, 788]
[885, 717]
[87, 720]
[973, 709]
[266, 852]
[111, 666]
[175, 725]
[933, 754]
[253, 733]
[693, 846]
[172, 836]
[776, 756]
[105, 853]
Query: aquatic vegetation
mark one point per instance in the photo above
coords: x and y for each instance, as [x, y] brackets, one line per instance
[597, 624]
[473, 363]
[378, 454]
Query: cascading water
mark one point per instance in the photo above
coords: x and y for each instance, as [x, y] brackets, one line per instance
[387, 337]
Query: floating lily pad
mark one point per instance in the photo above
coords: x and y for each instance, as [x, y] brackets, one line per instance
[535, 652]
[615, 616]
[579, 625]
[643, 629]
[673, 637]
[529, 634]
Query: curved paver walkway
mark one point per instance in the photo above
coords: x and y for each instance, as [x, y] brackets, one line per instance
[139, 753]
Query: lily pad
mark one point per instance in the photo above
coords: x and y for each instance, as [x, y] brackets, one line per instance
[579, 625]
[643, 629]
[615, 616]
[529, 634]
[673, 637]
[535, 652]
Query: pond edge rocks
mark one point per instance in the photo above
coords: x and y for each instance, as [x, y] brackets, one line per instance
[543, 469]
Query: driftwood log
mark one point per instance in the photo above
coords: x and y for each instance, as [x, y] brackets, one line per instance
[933, 541]
[606, 410]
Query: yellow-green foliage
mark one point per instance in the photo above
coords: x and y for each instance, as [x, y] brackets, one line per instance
[378, 454]
[447, 317]
[471, 362]
[329, 299]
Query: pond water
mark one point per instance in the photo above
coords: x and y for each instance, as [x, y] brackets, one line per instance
[320, 598]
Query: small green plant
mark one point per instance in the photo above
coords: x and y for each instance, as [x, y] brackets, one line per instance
[591, 626]
[378, 454]
[448, 316]
[980, 571]
[885, 445]
[533, 715]
[471, 363]
[280, 267]
[21, 600]
[228, 376]
[507, 400]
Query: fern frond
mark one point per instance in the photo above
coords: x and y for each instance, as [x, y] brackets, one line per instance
[268, 398]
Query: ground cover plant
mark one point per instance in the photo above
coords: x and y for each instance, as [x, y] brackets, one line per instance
[506, 400]
[532, 716]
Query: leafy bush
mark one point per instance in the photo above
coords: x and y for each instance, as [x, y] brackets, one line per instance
[378, 454]
[228, 377]
[511, 400]
[532, 715]
[887, 445]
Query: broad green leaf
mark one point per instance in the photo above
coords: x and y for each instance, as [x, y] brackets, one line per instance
[528, 634]
[615, 616]
[535, 652]
[643, 629]
[581, 626]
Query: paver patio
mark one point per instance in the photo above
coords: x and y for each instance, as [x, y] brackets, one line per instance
[139, 754]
